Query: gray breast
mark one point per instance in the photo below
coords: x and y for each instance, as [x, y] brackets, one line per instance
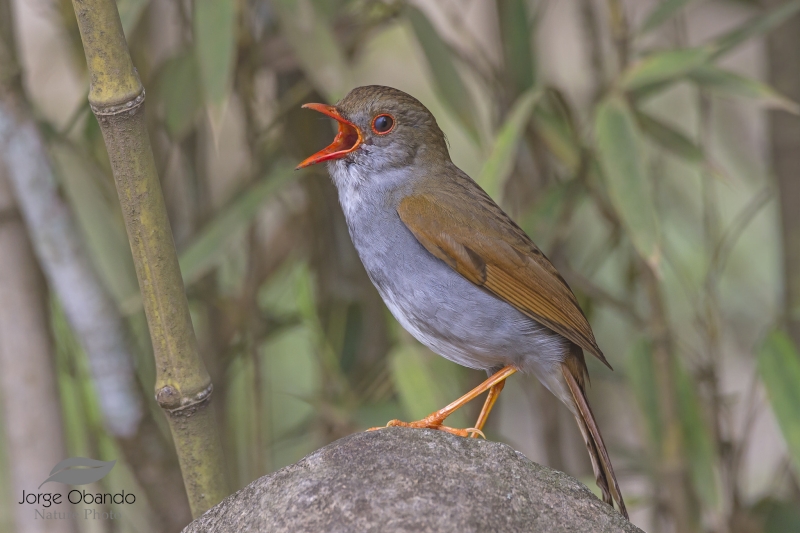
[453, 317]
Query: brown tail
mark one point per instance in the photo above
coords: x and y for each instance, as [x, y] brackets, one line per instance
[574, 371]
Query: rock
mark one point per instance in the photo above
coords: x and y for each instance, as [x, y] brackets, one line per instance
[398, 480]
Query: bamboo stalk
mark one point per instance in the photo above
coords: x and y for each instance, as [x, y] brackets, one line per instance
[674, 469]
[183, 387]
[784, 55]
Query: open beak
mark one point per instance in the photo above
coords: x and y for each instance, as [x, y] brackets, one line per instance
[348, 139]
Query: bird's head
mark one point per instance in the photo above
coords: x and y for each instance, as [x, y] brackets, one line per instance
[381, 129]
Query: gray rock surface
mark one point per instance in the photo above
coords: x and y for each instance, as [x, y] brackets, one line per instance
[412, 480]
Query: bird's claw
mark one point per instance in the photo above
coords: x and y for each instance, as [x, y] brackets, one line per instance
[474, 432]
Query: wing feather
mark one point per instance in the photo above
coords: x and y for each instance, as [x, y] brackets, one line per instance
[464, 228]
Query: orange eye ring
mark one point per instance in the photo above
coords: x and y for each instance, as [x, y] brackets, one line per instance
[383, 124]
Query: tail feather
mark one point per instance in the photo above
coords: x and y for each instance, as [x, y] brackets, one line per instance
[594, 456]
[601, 463]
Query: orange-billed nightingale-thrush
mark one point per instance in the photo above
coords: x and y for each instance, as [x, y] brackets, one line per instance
[452, 267]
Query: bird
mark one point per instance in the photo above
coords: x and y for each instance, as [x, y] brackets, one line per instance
[452, 267]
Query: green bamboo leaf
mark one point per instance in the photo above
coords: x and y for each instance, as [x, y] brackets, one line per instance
[669, 138]
[661, 13]
[501, 157]
[643, 93]
[731, 84]
[446, 80]
[292, 376]
[315, 46]
[697, 439]
[516, 33]
[557, 135]
[543, 217]
[641, 87]
[209, 246]
[215, 48]
[290, 364]
[754, 27]
[130, 11]
[661, 67]
[779, 366]
[620, 156]
[641, 373]
[178, 95]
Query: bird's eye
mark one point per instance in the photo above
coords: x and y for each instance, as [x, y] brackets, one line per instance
[383, 124]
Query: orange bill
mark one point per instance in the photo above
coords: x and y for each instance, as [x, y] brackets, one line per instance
[347, 139]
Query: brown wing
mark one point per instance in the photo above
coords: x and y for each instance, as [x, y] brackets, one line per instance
[463, 227]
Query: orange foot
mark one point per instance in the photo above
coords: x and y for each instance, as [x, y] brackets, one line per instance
[435, 420]
[433, 424]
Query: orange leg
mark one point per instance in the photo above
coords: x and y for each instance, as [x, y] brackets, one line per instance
[491, 398]
[435, 419]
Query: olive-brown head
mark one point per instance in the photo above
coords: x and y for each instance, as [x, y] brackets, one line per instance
[378, 127]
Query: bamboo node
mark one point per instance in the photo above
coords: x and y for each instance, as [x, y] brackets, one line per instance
[171, 399]
[117, 109]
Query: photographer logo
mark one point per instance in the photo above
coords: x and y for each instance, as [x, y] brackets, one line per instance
[76, 471]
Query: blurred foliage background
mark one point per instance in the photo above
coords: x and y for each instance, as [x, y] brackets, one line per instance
[630, 139]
